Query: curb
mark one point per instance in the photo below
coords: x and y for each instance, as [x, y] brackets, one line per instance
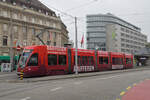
[59, 77]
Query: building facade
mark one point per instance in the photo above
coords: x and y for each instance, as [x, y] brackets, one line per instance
[110, 33]
[22, 20]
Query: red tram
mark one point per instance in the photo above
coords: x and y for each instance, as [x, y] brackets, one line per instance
[50, 60]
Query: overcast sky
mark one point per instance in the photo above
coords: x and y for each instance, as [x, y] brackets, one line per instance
[136, 12]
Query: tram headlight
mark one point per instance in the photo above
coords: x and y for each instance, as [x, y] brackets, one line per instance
[29, 69]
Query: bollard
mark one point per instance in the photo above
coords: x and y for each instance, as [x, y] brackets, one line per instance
[21, 75]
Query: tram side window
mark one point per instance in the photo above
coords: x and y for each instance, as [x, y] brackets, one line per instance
[128, 61]
[91, 60]
[79, 60]
[84, 60]
[100, 60]
[62, 60]
[52, 59]
[117, 61]
[33, 61]
[103, 60]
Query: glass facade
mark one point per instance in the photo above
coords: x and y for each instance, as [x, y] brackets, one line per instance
[96, 29]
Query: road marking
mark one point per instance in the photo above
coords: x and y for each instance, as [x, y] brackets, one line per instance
[107, 77]
[77, 83]
[55, 89]
[27, 98]
[140, 81]
[128, 88]
[134, 84]
[122, 93]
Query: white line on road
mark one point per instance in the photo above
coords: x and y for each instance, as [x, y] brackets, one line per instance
[27, 98]
[78, 83]
[55, 89]
[107, 77]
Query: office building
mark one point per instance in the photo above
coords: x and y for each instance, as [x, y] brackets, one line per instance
[109, 33]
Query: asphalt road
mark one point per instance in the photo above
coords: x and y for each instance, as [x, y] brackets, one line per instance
[103, 87]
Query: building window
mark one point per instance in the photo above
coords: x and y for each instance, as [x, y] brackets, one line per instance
[55, 35]
[24, 30]
[122, 29]
[54, 43]
[48, 42]
[5, 38]
[47, 23]
[40, 21]
[54, 25]
[15, 28]
[5, 27]
[33, 20]
[33, 31]
[24, 18]
[15, 16]
[5, 13]
[43, 22]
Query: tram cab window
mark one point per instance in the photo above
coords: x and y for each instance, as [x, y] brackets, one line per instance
[52, 59]
[33, 61]
[62, 60]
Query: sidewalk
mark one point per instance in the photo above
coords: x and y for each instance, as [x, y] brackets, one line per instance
[4, 73]
[139, 92]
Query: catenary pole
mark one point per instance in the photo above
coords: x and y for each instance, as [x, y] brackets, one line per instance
[76, 47]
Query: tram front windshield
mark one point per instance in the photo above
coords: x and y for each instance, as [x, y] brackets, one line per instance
[23, 59]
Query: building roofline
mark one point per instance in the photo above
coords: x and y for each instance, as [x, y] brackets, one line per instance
[111, 15]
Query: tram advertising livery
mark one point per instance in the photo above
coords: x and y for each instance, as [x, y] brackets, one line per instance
[50, 60]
